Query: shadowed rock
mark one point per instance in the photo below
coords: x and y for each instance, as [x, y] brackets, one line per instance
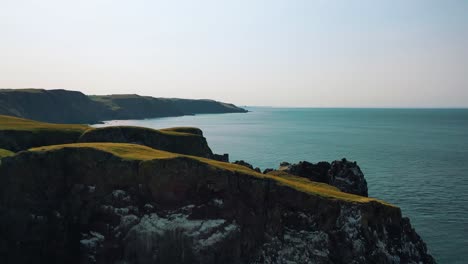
[345, 175]
[124, 203]
[188, 141]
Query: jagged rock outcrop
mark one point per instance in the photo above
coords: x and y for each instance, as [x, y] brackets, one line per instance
[315, 172]
[343, 174]
[221, 157]
[247, 165]
[348, 177]
[123, 203]
[62, 106]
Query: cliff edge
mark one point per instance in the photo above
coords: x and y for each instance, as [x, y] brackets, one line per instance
[127, 203]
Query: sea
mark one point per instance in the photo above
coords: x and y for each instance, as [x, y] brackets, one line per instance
[416, 159]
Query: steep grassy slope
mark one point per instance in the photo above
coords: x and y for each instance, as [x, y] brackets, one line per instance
[62, 106]
[55, 106]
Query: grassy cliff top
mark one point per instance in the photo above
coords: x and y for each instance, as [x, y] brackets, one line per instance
[187, 131]
[5, 153]
[15, 123]
[139, 152]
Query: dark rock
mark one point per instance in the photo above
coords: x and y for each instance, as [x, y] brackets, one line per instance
[345, 175]
[84, 205]
[266, 171]
[314, 172]
[243, 163]
[348, 177]
[17, 140]
[223, 158]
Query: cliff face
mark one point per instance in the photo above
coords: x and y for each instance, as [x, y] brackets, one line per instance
[123, 203]
[18, 134]
[62, 106]
[343, 174]
[176, 140]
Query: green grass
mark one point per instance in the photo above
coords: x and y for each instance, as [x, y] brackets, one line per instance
[106, 100]
[15, 123]
[185, 130]
[5, 153]
[166, 131]
[143, 153]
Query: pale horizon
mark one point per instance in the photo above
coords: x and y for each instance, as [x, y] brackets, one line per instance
[323, 54]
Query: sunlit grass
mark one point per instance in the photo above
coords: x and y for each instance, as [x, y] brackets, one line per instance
[15, 123]
[167, 131]
[143, 153]
[5, 153]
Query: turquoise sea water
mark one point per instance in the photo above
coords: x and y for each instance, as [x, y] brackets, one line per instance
[414, 158]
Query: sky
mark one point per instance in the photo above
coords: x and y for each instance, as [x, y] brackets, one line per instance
[307, 53]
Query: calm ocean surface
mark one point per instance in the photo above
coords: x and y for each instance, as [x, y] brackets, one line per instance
[414, 158]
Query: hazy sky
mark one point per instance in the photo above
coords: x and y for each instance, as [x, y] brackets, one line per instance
[320, 53]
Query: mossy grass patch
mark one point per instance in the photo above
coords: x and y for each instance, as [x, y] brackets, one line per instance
[16, 123]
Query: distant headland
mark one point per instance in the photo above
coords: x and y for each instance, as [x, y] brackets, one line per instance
[64, 106]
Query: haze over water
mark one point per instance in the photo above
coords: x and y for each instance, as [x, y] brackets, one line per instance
[413, 158]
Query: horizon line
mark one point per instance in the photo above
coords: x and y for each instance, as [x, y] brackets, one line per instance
[362, 107]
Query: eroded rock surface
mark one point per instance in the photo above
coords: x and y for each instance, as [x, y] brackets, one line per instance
[348, 177]
[343, 174]
[82, 205]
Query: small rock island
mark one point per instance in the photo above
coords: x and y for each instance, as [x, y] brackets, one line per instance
[77, 194]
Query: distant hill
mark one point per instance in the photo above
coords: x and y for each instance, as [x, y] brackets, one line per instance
[63, 106]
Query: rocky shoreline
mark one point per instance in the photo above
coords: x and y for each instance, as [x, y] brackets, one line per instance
[140, 197]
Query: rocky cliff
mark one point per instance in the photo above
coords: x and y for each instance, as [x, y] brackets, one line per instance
[62, 106]
[126, 203]
[343, 174]
[18, 134]
[179, 140]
